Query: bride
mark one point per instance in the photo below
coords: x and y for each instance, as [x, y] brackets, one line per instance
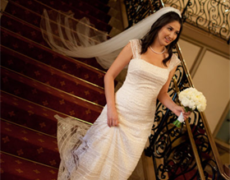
[112, 146]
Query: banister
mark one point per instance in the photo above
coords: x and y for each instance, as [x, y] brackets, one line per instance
[194, 148]
[223, 170]
[209, 134]
[210, 137]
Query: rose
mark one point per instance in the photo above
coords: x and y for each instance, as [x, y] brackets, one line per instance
[191, 99]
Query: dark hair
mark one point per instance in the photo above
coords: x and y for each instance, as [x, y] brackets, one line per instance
[148, 39]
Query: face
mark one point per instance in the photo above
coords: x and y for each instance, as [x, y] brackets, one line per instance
[168, 33]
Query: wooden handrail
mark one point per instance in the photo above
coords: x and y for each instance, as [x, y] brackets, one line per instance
[204, 120]
[208, 131]
[194, 148]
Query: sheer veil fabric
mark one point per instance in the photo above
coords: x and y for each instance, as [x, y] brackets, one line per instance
[79, 38]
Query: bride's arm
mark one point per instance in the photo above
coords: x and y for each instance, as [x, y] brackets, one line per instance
[167, 101]
[120, 62]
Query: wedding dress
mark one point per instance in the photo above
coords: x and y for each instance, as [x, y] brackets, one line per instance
[105, 153]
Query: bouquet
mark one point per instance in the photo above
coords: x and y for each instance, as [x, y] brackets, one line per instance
[191, 99]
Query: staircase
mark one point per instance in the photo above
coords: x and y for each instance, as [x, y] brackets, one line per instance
[38, 83]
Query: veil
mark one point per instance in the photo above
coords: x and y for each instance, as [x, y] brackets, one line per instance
[79, 38]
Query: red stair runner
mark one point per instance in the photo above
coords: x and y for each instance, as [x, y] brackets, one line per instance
[13, 168]
[33, 33]
[49, 57]
[29, 144]
[37, 83]
[48, 96]
[58, 79]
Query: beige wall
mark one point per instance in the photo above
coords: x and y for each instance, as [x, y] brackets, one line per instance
[189, 51]
[210, 70]
[212, 78]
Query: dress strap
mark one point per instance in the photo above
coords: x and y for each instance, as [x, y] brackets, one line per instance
[136, 48]
[175, 61]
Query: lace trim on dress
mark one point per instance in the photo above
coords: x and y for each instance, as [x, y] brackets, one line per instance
[135, 46]
[136, 50]
[175, 61]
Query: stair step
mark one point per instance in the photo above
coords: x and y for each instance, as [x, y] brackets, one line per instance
[104, 1]
[29, 114]
[47, 96]
[16, 140]
[43, 54]
[33, 10]
[95, 3]
[26, 113]
[58, 79]
[22, 28]
[16, 168]
[114, 32]
[77, 6]
[34, 33]
[116, 23]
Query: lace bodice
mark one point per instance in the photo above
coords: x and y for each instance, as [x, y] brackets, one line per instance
[143, 82]
[136, 50]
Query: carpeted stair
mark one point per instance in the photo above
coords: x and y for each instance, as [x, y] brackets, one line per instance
[37, 83]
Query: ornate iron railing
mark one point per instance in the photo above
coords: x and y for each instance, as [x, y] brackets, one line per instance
[212, 16]
[171, 148]
[139, 9]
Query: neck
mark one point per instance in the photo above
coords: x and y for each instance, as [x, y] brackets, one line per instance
[157, 47]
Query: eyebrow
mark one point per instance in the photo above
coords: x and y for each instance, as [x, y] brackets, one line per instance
[173, 28]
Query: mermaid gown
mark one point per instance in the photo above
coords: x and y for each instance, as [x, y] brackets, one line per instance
[103, 153]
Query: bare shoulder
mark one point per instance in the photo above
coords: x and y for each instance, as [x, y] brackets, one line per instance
[121, 61]
[128, 46]
[126, 52]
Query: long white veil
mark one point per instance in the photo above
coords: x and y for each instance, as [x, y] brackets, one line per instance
[75, 38]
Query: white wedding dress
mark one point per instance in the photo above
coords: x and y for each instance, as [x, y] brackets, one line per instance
[105, 153]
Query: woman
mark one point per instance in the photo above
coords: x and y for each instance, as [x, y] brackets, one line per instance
[113, 145]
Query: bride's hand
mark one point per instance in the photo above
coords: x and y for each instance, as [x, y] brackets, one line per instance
[178, 109]
[112, 117]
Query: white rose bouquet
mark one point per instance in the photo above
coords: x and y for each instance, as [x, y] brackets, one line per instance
[191, 99]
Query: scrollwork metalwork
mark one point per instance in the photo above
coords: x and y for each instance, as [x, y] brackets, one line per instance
[170, 146]
[212, 16]
[139, 9]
